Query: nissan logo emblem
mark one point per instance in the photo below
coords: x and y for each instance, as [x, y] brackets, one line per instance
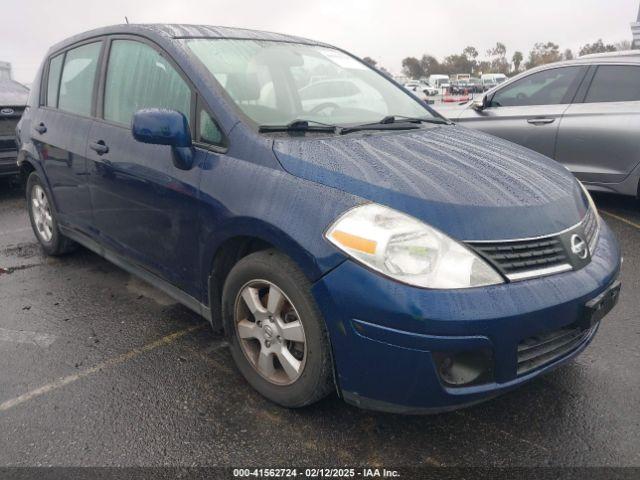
[7, 111]
[268, 332]
[579, 247]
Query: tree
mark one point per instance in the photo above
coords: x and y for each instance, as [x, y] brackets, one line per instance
[623, 45]
[370, 61]
[500, 50]
[483, 67]
[596, 47]
[568, 54]
[462, 63]
[430, 65]
[517, 61]
[499, 63]
[471, 53]
[412, 68]
[456, 64]
[544, 53]
[386, 72]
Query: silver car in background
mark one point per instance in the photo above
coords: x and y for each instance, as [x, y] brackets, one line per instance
[584, 113]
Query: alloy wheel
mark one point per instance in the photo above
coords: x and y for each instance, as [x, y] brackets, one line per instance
[41, 211]
[270, 332]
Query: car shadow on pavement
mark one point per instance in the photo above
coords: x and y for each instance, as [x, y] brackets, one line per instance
[627, 207]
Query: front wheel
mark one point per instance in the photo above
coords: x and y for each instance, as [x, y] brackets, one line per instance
[277, 335]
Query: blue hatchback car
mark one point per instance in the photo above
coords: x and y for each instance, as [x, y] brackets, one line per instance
[344, 235]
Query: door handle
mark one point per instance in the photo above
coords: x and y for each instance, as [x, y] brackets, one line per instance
[41, 128]
[540, 121]
[99, 147]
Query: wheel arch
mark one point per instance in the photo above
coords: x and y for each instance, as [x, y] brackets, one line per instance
[245, 237]
[26, 166]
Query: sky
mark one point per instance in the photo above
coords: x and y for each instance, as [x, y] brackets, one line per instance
[385, 30]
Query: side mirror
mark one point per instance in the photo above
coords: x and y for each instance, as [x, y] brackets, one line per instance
[165, 127]
[480, 104]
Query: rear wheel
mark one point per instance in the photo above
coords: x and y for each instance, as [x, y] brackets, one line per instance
[43, 219]
[277, 335]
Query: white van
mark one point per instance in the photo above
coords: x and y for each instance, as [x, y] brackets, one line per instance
[490, 80]
[439, 81]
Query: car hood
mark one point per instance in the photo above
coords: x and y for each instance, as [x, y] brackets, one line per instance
[13, 94]
[467, 184]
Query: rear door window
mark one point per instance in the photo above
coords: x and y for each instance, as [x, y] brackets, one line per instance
[78, 78]
[53, 81]
[549, 87]
[139, 77]
[615, 83]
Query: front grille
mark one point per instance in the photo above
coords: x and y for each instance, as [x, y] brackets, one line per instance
[8, 126]
[8, 145]
[8, 123]
[513, 258]
[530, 258]
[539, 350]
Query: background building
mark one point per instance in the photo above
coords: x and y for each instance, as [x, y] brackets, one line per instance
[635, 30]
[5, 71]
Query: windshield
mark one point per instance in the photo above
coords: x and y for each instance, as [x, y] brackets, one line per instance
[275, 83]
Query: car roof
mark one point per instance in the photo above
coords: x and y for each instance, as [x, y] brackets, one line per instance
[624, 54]
[164, 32]
[631, 56]
[13, 94]
[626, 57]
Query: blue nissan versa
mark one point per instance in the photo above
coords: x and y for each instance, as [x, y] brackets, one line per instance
[343, 234]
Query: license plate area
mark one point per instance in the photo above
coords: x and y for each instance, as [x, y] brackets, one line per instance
[600, 306]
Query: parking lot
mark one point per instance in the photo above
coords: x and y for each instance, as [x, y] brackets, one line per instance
[101, 369]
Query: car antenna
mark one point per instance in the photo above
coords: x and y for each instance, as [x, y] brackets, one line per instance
[126, 20]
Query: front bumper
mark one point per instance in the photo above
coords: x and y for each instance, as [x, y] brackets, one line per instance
[383, 333]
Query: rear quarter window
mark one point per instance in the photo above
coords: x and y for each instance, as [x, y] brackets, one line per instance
[615, 83]
[78, 78]
[53, 81]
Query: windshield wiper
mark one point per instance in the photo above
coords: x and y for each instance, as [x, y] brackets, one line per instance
[301, 126]
[389, 123]
[438, 121]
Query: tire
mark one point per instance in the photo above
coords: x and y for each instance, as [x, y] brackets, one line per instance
[52, 241]
[259, 273]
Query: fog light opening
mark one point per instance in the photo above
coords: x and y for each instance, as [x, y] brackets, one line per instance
[462, 369]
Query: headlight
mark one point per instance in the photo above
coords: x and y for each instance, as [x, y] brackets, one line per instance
[407, 250]
[593, 232]
[592, 204]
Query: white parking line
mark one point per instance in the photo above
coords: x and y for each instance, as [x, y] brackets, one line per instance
[23, 336]
[622, 219]
[112, 362]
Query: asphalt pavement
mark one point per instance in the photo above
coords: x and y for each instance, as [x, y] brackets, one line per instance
[99, 369]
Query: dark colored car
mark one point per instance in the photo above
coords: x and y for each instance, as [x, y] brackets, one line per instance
[373, 249]
[474, 85]
[13, 98]
[458, 87]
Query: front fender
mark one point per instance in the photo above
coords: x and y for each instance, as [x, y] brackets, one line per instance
[247, 227]
[245, 199]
